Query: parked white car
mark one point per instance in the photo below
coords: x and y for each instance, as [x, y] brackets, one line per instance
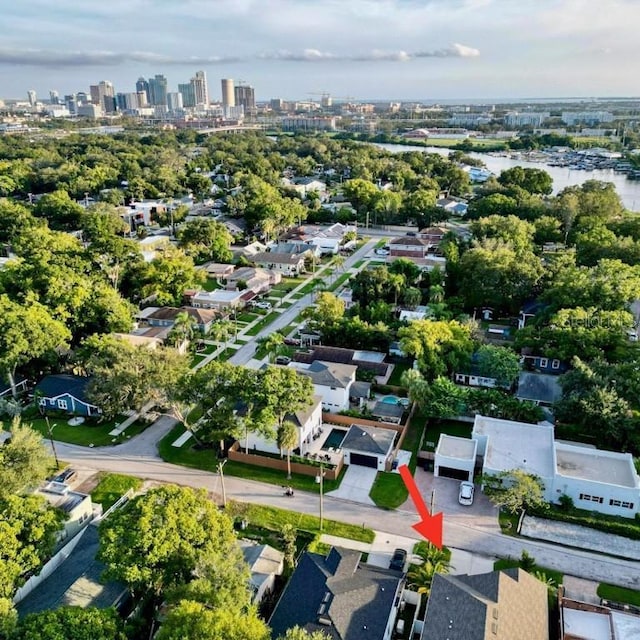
[262, 305]
[381, 252]
[465, 495]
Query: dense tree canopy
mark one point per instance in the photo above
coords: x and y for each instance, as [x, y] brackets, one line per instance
[71, 622]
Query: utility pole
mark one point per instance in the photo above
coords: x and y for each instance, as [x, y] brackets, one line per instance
[53, 446]
[224, 493]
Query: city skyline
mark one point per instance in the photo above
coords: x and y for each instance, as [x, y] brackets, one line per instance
[369, 49]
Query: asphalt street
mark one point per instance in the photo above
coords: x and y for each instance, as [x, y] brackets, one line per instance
[139, 457]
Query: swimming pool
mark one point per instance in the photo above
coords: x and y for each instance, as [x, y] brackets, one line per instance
[334, 439]
[395, 400]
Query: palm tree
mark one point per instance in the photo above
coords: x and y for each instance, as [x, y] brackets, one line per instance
[396, 283]
[434, 561]
[221, 331]
[271, 344]
[184, 328]
[436, 293]
[338, 262]
[288, 439]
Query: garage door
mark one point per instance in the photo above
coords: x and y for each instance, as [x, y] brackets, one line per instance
[456, 474]
[364, 461]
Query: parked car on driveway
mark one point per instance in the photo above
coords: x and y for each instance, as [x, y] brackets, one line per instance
[66, 477]
[398, 559]
[465, 495]
[381, 252]
[262, 305]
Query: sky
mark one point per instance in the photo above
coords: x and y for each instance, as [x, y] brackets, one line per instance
[364, 49]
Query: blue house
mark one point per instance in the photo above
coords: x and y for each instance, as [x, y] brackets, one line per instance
[66, 393]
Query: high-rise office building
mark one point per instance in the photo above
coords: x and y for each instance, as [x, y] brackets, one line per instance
[32, 97]
[174, 101]
[142, 86]
[142, 99]
[158, 90]
[54, 97]
[103, 94]
[199, 83]
[228, 96]
[188, 94]
[245, 96]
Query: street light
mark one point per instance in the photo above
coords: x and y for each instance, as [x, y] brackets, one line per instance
[224, 493]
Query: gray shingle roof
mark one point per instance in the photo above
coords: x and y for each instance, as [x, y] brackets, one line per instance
[354, 600]
[56, 385]
[368, 439]
[330, 374]
[76, 582]
[387, 410]
[501, 605]
[539, 387]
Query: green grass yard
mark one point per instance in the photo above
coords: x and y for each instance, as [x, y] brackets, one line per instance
[618, 594]
[274, 519]
[261, 324]
[388, 491]
[87, 434]
[211, 285]
[111, 487]
[207, 460]
[450, 427]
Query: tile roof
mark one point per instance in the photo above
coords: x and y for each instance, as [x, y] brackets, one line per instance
[338, 596]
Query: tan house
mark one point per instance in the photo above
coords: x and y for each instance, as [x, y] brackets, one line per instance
[289, 264]
[256, 279]
[408, 247]
[218, 270]
[500, 605]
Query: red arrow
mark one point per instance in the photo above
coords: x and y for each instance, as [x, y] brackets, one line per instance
[430, 526]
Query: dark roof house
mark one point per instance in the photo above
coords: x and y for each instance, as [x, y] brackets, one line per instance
[541, 388]
[340, 597]
[500, 605]
[65, 392]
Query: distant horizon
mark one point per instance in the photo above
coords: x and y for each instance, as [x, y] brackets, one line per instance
[568, 48]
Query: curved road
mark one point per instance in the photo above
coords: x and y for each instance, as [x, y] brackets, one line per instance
[139, 457]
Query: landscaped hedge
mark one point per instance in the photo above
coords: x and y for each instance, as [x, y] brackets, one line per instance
[627, 527]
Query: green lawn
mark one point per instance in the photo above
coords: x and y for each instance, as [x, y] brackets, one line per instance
[450, 427]
[508, 522]
[261, 324]
[206, 459]
[86, 434]
[210, 285]
[398, 369]
[111, 487]
[273, 518]
[195, 359]
[618, 594]
[358, 264]
[340, 281]
[247, 317]
[388, 491]
[511, 563]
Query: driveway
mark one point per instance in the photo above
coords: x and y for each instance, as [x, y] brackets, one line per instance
[443, 492]
[356, 485]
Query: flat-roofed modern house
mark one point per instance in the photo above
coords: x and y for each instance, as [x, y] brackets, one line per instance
[500, 605]
[597, 480]
[455, 457]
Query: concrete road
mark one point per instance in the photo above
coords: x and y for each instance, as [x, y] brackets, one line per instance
[139, 458]
[246, 352]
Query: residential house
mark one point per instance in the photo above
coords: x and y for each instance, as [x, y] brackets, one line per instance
[331, 381]
[529, 310]
[165, 317]
[152, 246]
[388, 412]
[20, 384]
[371, 361]
[581, 620]
[306, 185]
[289, 264]
[368, 446]
[77, 508]
[265, 564]
[328, 239]
[541, 388]
[256, 279]
[308, 422]
[217, 270]
[544, 364]
[249, 251]
[428, 263]
[500, 605]
[455, 457]
[455, 206]
[408, 247]
[219, 299]
[432, 236]
[295, 246]
[339, 596]
[65, 392]
[77, 582]
[597, 480]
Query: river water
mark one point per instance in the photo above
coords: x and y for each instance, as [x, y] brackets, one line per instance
[628, 190]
